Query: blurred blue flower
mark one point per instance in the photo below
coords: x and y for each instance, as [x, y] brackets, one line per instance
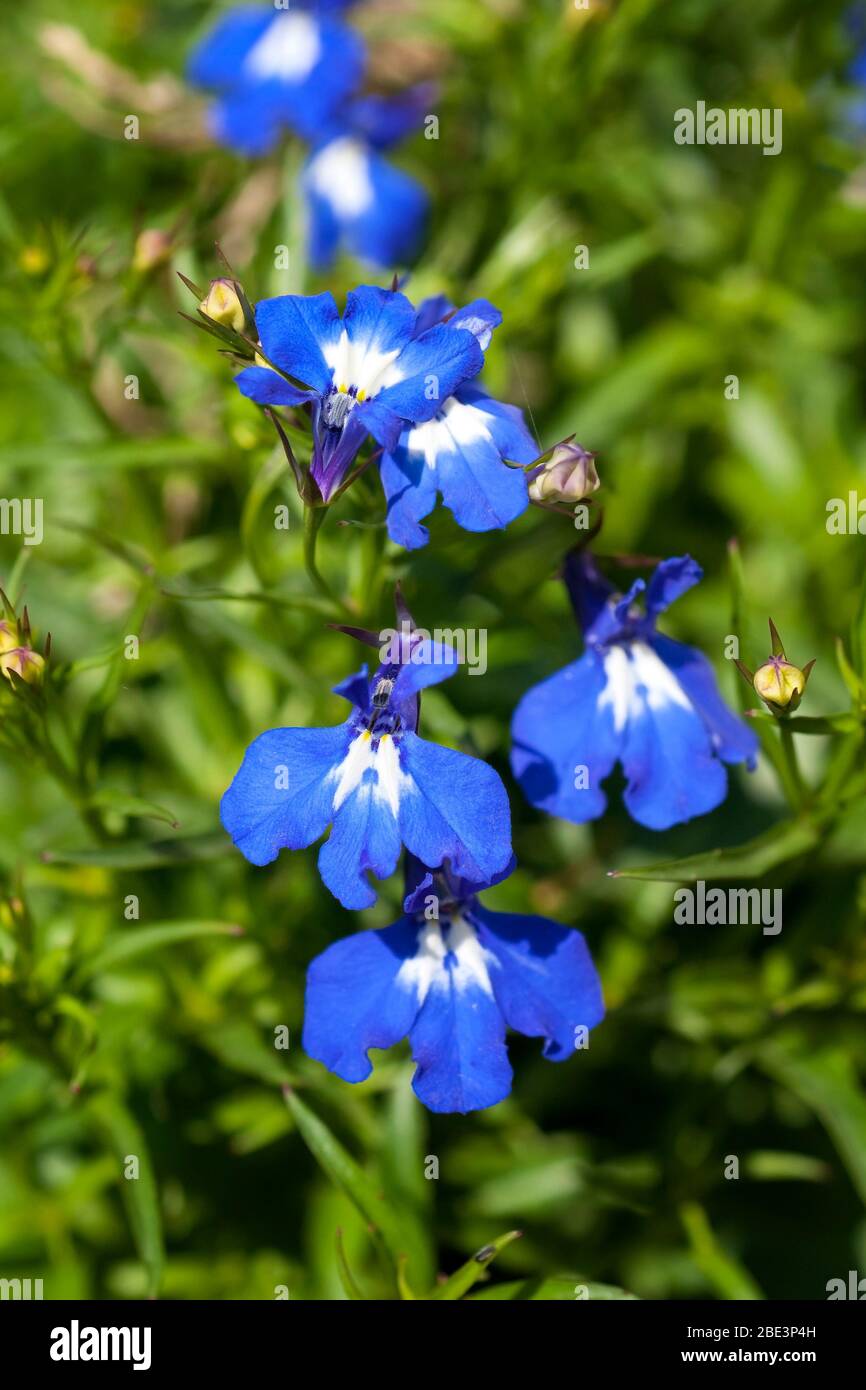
[274, 69]
[451, 975]
[634, 697]
[355, 197]
[460, 451]
[374, 781]
[369, 372]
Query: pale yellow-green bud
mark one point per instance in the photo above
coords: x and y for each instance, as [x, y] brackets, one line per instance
[26, 663]
[223, 305]
[780, 684]
[9, 637]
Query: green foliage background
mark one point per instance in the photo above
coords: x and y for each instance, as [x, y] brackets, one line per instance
[155, 1037]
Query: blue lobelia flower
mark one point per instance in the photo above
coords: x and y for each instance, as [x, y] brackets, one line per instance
[452, 975]
[368, 372]
[275, 69]
[374, 781]
[460, 452]
[355, 197]
[634, 697]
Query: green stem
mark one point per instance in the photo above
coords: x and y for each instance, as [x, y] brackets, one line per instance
[313, 518]
[796, 788]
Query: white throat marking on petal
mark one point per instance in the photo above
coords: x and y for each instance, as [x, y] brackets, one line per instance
[340, 174]
[391, 783]
[361, 364]
[457, 426]
[637, 678]
[289, 49]
[427, 969]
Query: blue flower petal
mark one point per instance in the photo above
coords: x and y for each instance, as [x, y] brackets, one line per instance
[431, 311]
[588, 589]
[265, 387]
[356, 688]
[354, 1000]
[246, 121]
[667, 755]
[670, 579]
[296, 331]
[430, 663]
[217, 60]
[282, 796]
[389, 231]
[565, 742]
[379, 421]
[377, 322]
[357, 197]
[324, 230]
[382, 121]
[460, 453]
[430, 369]
[411, 490]
[547, 985]
[419, 883]
[364, 838]
[289, 68]
[458, 1042]
[732, 739]
[334, 450]
[479, 318]
[460, 811]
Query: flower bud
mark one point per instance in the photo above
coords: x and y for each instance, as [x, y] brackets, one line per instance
[224, 305]
[567, 476]
[779, 684]
[25, 662]
[9, 637]
[34, 260]
[152, 249]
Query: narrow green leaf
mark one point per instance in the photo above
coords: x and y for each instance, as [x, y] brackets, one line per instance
[766, 1165]
[241, 1046]
[145, 854]
[139, 1193]
[461, 1281]
[849, 675]
[97, 454]
[560, 1288]
[388, 1222]
[125, 805]
[725, 1274]
[129, 942]
[753, 860]
[405, 1289]
[403, 1167]
[858, 632]
[826, 1081]
[845, 723]
[347, 1279]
